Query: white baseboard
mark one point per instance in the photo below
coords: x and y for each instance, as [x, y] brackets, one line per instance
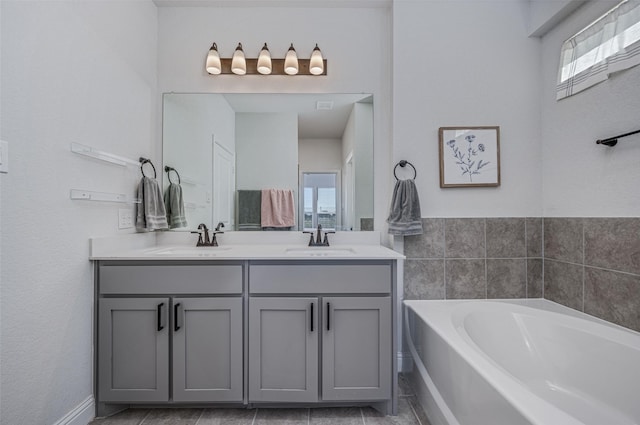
[82, 414]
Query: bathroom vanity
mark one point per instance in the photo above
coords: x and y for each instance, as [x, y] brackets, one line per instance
[247, 325]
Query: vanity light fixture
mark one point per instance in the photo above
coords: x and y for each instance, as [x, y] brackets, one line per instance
[264, 61]
[238, 62]
[265, 65]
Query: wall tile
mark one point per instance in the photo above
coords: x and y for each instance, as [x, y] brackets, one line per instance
[613, 296]
[465, 279]
[505, 237]
[563, 283]
[464, 237]
[430, 244]
[534, 278]
[423, 279]
[507, 278]
[563, 239]
[613, 243]
[534, 236]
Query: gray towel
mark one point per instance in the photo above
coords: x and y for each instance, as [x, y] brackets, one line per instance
[249, 209]
[150, 213]
[174, 206]
[404, 215]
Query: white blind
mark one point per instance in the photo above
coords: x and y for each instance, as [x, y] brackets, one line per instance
[608, 45]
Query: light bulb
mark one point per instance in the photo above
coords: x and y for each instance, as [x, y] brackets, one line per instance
[291, 61]
[238, 62]
[264, 61]
[213, 61]
[316, 63]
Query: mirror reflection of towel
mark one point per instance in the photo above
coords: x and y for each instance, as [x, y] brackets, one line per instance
[150, 214]
[249, 202]
[404, 215]
[277, 208]
[174, 206]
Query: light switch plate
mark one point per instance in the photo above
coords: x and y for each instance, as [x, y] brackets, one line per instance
[4, 156]
[125, 219]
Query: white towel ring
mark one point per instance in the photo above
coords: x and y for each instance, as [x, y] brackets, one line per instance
[403, 163]
[144, 161]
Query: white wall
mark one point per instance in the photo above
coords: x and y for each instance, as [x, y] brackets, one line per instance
[71, 72]
[266, 151]
[320, 154]
[581, 178]
[467, 63]
[354, 40]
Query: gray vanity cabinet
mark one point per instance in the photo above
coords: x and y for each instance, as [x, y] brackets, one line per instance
[134, 349]
[283, 349]
[320, 332]
[170, 333]
[356, 359]
[207, 349]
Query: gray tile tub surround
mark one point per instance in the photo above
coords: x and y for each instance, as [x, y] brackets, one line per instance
[593, 265]
[457, 258]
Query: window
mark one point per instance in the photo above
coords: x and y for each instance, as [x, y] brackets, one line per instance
[610, 44]
[320, 200]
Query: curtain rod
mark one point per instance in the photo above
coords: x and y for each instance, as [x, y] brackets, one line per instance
[612, 141]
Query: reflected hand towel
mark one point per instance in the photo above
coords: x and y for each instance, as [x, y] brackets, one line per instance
[277, 208]
[150, 214]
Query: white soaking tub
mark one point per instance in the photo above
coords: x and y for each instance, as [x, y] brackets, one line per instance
[499, 362]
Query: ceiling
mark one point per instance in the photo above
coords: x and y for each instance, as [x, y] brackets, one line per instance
[312, 123]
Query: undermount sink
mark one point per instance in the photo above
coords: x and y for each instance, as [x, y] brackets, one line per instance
[188, 251]
[320, 251]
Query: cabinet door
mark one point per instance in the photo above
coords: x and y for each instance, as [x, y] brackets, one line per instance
[283, 349]
[207, 349]
[356, 351]
[133, 349]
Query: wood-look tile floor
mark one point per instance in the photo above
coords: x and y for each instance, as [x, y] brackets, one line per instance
[409, 413]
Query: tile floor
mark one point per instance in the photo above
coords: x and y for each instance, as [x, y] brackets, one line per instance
[409, 413]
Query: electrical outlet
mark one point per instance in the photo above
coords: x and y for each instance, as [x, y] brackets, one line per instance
[125, 219]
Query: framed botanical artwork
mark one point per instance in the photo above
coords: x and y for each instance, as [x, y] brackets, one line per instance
[469, 156]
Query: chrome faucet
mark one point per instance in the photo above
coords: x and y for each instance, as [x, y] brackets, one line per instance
[319, 241]
[214, 241]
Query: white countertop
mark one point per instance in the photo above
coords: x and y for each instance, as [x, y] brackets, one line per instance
[240, 246]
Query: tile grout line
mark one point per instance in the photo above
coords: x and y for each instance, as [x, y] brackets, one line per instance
[415, 414]
[362, 416]
[583, 263]
[200, 417]
[308, 416]
[486, 281]
[253, 421]
[145, 417]
[526, 261]
[444, 258]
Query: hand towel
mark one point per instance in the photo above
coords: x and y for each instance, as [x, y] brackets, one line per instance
[150, 214]
[249, 204]
[404, 215]
[277, 208]
[174, 206]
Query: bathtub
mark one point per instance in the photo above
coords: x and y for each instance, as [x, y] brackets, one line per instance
[515, 362]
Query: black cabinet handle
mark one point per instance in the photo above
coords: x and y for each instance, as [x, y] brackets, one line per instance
[176, 316]
[311, 317]
[328, 316]
[161, 321]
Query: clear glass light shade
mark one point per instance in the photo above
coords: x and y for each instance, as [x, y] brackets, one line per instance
[238, 61]
[291, 61]
[213, 61]
[316, 63]
[264, 61]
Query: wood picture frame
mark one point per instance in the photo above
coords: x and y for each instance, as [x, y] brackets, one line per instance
[469, 156]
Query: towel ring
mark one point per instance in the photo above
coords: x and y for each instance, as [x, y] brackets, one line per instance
[403, 163]
[144, 161]
[169, 170]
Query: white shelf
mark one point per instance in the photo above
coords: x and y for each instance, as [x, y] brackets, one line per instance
[103, 156]
[88, 195]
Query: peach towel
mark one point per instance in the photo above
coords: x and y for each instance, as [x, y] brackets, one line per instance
[277, 208]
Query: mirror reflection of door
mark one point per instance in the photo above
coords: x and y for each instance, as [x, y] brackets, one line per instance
[223, 185]
[349, 188]
[320, 200]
